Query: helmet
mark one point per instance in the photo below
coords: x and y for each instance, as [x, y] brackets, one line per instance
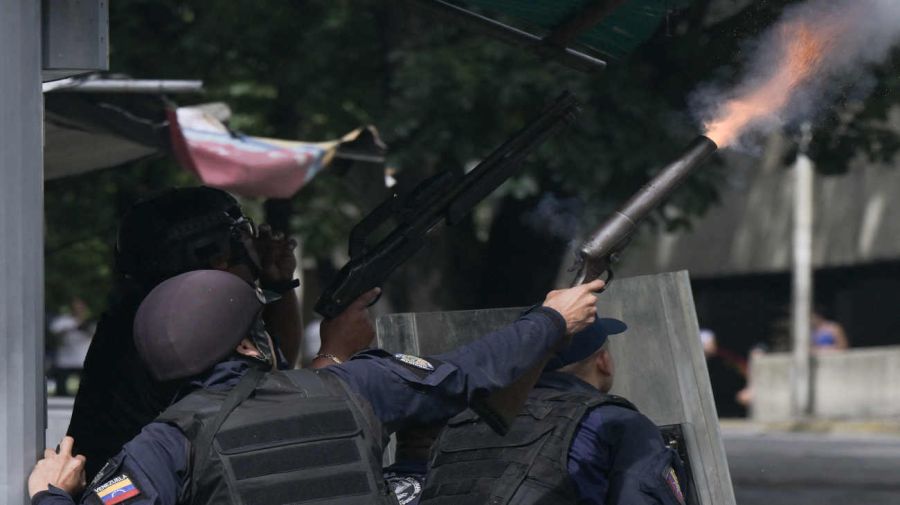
[180, 230]
[192, 321]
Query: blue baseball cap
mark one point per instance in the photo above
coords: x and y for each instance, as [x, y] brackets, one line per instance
[586, 342]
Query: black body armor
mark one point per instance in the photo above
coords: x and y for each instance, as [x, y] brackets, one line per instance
[472, 465]
[282, 438]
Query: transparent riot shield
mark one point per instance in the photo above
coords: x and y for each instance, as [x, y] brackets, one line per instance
[659, 365]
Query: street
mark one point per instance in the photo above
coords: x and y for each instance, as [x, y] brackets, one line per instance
[778, 468]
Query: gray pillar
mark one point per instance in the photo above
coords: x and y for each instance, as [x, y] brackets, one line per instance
[22, 401]
[802, 285]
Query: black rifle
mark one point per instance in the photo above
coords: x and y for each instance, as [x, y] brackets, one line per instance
[439, 198]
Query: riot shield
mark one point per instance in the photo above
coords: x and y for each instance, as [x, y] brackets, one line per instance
[660, 365]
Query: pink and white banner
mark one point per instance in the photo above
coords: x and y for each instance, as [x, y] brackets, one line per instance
[248, 166]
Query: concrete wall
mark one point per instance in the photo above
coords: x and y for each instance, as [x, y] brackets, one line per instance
[854, 384]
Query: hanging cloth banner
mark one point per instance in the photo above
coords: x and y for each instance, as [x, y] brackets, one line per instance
[258, 166]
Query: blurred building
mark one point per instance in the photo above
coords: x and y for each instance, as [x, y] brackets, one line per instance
[739, 254]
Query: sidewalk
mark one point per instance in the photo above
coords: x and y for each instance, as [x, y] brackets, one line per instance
[880, 427]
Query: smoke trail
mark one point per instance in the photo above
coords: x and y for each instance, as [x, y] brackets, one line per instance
[555, 217]
[800, 65]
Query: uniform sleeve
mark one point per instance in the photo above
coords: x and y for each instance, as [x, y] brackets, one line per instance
[644, 471]
[407, 390]
[53, 496]
[589, 460]
[151, 469]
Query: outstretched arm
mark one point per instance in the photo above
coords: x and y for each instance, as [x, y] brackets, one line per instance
[407, 390]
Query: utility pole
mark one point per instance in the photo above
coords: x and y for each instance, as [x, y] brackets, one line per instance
[38, 40]
[802, 285]
[21, 247]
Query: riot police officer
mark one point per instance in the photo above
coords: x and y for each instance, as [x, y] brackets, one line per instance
[177, 231]
[573, 443]
[245, 432]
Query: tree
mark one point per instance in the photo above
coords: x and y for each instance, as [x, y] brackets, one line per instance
[442, 97]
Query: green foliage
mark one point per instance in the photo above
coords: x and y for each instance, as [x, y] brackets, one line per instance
[441, 96]
[81, 215]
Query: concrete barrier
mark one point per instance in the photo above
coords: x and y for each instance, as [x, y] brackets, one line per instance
[852, 384]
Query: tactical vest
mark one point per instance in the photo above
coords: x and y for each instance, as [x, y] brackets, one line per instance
[472, 465]
[282, 438]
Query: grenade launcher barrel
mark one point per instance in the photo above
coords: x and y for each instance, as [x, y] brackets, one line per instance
[600, 251]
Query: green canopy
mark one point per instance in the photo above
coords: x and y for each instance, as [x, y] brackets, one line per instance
[612, 28]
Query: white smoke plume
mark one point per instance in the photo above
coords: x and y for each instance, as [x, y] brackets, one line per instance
[797, 68]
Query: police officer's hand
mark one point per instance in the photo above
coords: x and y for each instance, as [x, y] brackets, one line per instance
[578, 305]
[350, 331]
[276, 255]
[59, 469]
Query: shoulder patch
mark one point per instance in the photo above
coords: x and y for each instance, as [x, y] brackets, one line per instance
[117, 490]
[672, 480]
[414, 361]
[405, 487]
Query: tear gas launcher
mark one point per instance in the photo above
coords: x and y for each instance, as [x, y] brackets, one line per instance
[596, 258]
[601, 250]
[442, 197]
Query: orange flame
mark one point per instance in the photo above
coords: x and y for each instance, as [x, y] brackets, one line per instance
[803, 47]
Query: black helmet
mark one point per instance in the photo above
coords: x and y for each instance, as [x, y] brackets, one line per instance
[192, 321]
[178, 231]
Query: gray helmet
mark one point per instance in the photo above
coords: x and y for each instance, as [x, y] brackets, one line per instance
[192, 321]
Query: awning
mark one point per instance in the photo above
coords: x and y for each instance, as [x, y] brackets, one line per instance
[94, 122]
[85, 132]
[621, 26]
[578, 33]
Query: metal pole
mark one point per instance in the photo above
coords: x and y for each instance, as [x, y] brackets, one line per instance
[80, 85]
[802, 285]
[22, 395]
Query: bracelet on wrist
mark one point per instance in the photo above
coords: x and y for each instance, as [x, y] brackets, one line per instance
[332, 357]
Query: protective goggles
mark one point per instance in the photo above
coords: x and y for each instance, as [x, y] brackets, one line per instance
[243, 226]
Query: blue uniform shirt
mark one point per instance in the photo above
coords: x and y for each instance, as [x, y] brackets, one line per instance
[614, 450]
[156, 462]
